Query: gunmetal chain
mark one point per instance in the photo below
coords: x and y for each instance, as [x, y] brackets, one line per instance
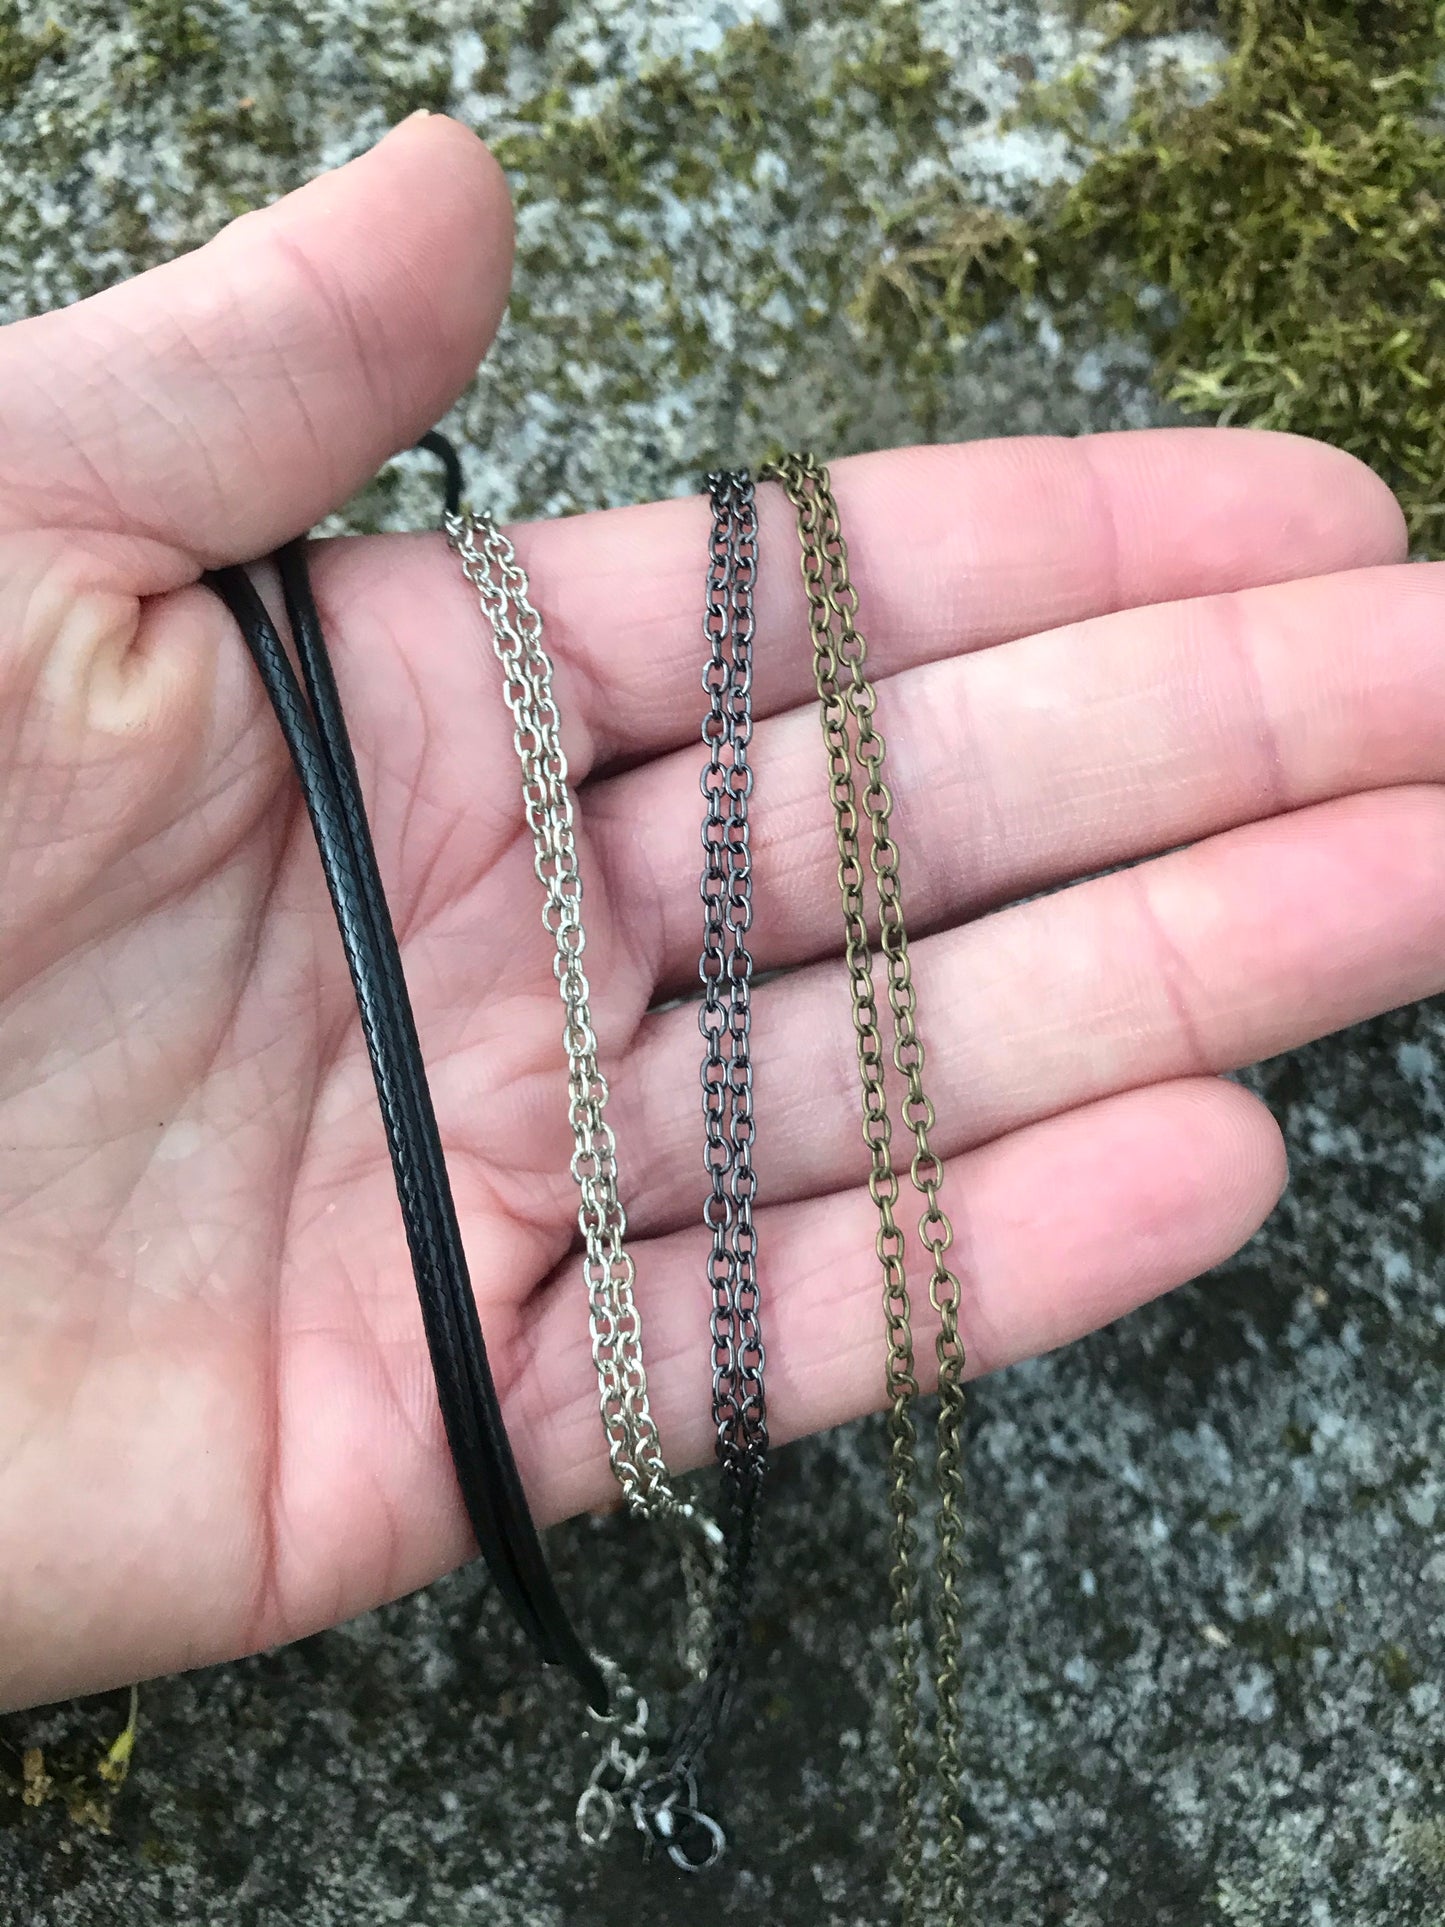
[633, 1446]
[725, 1020]
[931, 1889]
[726, 971]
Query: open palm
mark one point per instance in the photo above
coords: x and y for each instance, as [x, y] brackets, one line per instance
[217, 1422]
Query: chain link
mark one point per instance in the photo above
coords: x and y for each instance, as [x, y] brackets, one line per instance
[624, 1755]
[725, 1020]
[633, 1446]
[726, 969]
[932, 1888]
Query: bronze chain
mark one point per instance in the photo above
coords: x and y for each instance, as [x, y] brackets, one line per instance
[932, 1886]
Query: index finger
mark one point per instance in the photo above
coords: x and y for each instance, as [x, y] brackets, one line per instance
[952, 548]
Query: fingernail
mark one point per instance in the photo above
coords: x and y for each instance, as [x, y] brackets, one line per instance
[421, 113]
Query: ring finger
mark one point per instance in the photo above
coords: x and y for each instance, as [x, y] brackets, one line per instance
[1210, 958]
[1060, 1228]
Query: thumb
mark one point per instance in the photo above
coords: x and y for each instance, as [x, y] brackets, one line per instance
[217, 406]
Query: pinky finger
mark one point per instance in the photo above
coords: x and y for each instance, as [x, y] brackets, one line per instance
[1060, 1228]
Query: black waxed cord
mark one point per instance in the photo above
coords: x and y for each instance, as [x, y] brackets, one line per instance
[331, 728]
[321, 753]
[438, 445]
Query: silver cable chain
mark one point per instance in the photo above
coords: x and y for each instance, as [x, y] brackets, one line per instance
[619, 1765]
[633, 1446]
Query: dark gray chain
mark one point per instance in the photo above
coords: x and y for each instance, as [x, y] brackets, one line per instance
[725, 1020]
[726, 971]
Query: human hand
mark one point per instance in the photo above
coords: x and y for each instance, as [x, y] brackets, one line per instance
[218, 1427]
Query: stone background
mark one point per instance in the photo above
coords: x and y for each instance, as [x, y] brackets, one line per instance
[1209, 1589]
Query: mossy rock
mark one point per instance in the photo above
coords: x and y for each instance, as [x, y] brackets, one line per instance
[1278, 242]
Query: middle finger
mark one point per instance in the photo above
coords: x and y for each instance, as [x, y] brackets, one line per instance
[1022, 766]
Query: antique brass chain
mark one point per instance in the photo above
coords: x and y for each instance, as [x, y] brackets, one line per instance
[633, 1446]
[932, 1886]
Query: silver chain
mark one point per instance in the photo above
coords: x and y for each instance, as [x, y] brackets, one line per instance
[619, 1765]
[633, 1446]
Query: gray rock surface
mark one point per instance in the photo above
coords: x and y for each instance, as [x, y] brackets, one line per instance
[1208, 1591]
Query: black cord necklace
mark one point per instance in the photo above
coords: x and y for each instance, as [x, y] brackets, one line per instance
[315, 732]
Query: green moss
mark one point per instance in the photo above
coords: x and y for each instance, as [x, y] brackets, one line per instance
[261, 121]
[1422, 1845]
[171, 35]
[1397, 1667]
[808, 125]
[75, 1776]
[408, 62]
[1279, 243]
[947, 264]
[22, 50]
[1137, 19]
[898, 71]
[1068, 103]
[1276, 242]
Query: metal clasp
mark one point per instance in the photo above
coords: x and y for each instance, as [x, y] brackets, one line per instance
[692, 1840]
[622, 1759]
[704, 1525]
